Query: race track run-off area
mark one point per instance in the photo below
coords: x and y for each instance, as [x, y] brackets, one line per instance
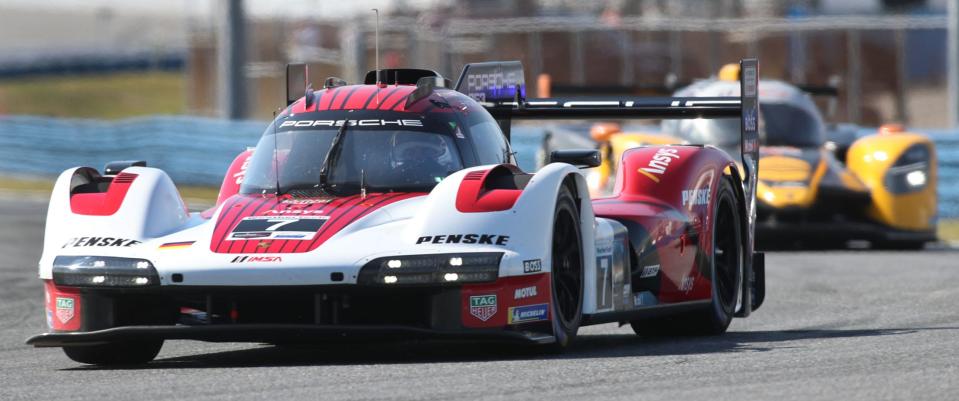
[837, 325]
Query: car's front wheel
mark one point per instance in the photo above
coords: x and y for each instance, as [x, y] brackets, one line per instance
[115, 353]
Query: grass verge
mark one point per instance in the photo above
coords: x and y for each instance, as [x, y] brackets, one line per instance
[110, 96]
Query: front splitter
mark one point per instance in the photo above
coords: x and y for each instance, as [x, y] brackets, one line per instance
[279, 333]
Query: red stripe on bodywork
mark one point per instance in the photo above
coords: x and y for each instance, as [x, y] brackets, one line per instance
[335, 214]
[103, 203]
[233, 209]
[359, 97]
[401, 93]
[378, 98]
[250, 245]
[341, 212]
[341, 95]
[325, 99]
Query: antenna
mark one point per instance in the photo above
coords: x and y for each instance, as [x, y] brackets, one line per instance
[276, 163]
[376, 44]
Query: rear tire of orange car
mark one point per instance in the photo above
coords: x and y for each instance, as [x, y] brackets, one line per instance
[115, 353]
[727, 263]
[899, 245]
[566, 272]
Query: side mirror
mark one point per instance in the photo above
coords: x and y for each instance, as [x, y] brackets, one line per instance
[582, 158]
[115, 167]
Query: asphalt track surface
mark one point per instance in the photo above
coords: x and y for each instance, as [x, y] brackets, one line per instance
[838, 325]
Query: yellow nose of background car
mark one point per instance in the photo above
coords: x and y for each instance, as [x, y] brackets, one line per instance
[787, 181]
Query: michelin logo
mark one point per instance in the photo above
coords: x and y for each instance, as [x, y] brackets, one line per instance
[529, 313]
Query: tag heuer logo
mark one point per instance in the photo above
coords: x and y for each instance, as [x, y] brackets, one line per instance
[483, 306]
[64, 309]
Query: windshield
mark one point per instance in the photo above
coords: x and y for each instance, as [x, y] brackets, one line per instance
[381, 158]
[779, 125]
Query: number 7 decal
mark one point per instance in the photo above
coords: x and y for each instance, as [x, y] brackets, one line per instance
[279, 223]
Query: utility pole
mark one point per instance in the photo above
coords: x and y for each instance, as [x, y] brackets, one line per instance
[952, 64]
[231, 60]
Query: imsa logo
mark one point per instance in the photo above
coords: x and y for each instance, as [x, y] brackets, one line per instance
[483, 307]
[658, 164]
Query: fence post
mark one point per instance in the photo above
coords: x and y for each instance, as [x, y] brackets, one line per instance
[952, 66]
[854, 76]
[577, 62]
[231, 61]
[902, 113]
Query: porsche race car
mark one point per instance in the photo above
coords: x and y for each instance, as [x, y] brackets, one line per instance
[396, 211]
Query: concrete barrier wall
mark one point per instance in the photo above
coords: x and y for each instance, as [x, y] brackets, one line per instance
[197, 151]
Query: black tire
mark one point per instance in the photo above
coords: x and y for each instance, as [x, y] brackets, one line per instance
[899, 245]
[727, 270]
[566, 273]
[117, 353]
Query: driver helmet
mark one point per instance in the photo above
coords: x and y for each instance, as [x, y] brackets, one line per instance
[410, 148]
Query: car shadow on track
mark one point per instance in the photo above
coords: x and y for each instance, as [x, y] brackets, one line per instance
[587, 346]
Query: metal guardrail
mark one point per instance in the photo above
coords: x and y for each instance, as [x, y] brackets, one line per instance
[192, 150]
[197, 151]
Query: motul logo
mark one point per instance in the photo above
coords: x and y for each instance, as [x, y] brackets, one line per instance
[658, 164]
[527, 292]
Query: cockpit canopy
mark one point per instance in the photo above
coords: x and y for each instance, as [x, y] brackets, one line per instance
[342, 152]
[788, 117]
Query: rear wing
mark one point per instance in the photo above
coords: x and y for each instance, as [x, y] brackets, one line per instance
[501, 88]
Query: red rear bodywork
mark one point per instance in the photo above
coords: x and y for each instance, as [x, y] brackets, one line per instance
[663, 195]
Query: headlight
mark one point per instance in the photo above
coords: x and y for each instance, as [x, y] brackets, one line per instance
[910, 173]
[454, 268]
[104, 271]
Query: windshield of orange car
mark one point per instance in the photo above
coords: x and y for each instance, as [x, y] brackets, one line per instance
[780, 125]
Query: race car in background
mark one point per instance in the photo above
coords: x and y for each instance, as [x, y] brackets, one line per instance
[395, 211]
[818, 185]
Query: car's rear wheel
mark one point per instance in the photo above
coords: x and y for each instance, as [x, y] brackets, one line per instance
[726, 274]
[115, 353]
[567, 271]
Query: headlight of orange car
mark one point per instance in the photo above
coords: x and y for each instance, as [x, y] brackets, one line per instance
[911, 172]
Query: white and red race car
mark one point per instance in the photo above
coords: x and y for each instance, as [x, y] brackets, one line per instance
[395, 210]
